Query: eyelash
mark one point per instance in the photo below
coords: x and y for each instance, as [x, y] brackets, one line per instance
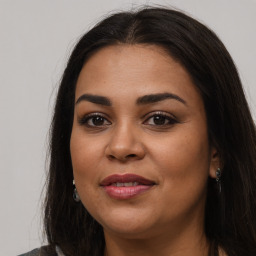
[87, 118]
[171, 119]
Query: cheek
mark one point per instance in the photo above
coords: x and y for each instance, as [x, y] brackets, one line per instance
[183, 161]
[86, 157]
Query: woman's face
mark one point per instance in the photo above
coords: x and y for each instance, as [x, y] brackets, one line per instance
[139, 145]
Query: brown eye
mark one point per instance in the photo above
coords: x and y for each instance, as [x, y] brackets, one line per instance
[94, 120]
[160, 120]
[97, 120]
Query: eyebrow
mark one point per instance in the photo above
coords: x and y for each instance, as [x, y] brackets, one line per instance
[101, 100]
[146, 99]
[152, 98]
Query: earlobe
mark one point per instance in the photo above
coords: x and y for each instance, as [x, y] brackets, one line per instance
[214, 164]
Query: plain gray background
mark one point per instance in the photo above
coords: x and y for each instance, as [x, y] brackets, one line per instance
[36, 38]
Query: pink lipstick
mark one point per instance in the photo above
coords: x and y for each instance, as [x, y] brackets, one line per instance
[126, 186]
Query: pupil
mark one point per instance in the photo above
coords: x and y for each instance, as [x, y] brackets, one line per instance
[97, 120]
[159, 120]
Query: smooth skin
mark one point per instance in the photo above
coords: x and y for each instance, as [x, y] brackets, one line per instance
[165, 141]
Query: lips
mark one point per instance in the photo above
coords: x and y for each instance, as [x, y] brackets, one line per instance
[126, 186]
[126, 178]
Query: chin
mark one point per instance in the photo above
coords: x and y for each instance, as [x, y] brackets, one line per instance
[128, 225]
[128, 231]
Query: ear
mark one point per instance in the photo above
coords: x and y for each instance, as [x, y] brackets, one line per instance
[214, 162]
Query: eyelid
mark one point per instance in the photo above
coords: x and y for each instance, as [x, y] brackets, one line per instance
[85, 118]
[82, 120]
[159, 112]
[167, 115]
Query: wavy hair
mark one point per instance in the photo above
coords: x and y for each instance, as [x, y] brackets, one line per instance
[230, 221]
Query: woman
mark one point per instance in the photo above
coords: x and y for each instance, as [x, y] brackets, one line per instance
[153, 137]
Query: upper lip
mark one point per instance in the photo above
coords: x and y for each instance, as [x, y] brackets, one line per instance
[129, 177]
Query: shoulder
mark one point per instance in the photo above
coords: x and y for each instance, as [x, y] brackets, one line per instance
[42, 251]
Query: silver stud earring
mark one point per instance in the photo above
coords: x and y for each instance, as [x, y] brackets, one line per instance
[75, 193]
[218, 179]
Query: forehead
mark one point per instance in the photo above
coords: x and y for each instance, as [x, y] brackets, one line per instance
[134, 70]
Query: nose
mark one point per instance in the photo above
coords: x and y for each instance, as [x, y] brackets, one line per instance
[125, 144]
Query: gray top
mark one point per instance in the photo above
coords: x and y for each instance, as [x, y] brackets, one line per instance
[43, 252]
[35, 252]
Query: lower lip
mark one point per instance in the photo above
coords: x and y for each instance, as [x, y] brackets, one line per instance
[126, 192]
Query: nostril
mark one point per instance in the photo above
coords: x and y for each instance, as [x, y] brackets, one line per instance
[124, 152]
[131, 155]
[124, 158]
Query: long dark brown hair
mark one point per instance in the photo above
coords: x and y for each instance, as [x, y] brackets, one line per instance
[230, 217]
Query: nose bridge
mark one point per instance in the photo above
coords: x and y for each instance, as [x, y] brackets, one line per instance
[125, 141]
